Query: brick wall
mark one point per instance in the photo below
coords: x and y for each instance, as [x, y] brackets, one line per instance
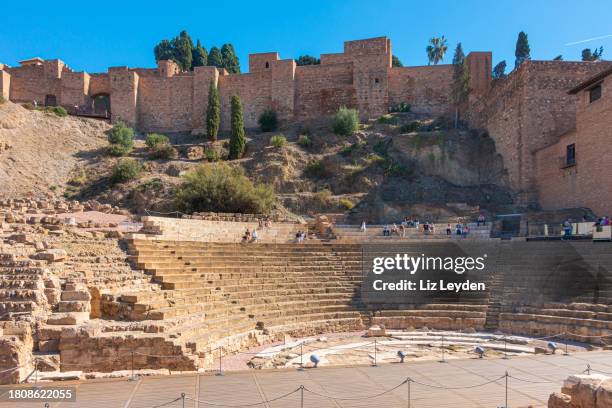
[527, 111]
[5, 84]
[425, 88]
[589, 182]
[124, 94]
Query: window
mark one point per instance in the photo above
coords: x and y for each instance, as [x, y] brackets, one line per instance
[594, 93]
[267, 64]
[375, 80]
[570, 155]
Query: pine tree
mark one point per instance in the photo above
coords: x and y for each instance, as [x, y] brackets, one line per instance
[238, 139]
[230, 60]
[307, 60]
[214, 58]
[213, 112]
[595, 55]
[396, 62]
[522, 52]
[499, 71]
[461, 77]
[164, 51]
[199, 56]
[558, 58]
[183, 46]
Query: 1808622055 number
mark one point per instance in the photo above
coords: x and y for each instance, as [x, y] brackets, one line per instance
[39, 394]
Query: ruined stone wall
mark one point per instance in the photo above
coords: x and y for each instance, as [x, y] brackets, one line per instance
[165, 103]
[589, 182]
[124, 94]
[254, 90]
[74, 89]
[425, 88]
[31, 83]
[321, 89]
[527, 111]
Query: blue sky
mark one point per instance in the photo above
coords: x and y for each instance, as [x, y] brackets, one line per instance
[92, 36]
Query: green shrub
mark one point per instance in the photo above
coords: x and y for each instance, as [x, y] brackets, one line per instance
[163, 151]
[2, 100]
[153, 139]
[413, 126]
[118, 150]
[385, 120]
[346, 121]
[323, 197]
[346, 203]
[278, 141]
[125, 170]
[304, 141]
[380, 148]
[316, 169]
[375, 159]
[347, 150]
[212, 155]
[268, 120]
[220, 188]
[28, 106]
[400, 107]
[58, 110]
[151, 185]
[123, 136]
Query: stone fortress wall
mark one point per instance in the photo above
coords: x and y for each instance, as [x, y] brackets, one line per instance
[164, 99]
[525, 112]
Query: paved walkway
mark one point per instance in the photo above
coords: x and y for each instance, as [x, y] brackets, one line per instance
[437, 385]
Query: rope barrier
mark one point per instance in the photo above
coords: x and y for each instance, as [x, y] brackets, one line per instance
[300, 388]
[358, 398]
[458, 388]
[182, 397]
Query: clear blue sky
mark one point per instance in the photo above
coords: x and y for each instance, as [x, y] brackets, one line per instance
[92, 36]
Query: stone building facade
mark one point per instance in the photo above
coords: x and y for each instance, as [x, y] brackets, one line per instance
[167, 100]
[576, 171]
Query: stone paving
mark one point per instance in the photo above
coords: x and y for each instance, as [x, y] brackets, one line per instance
[457, 383]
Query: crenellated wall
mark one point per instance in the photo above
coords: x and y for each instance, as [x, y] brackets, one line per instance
[164, 99]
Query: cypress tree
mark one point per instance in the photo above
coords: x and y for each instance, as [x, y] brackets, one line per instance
[238, 139]
[214, 58]
[230, 60]
[213, 112]
[461, 77]
[522, 52]
[183, 46]
[199, 56]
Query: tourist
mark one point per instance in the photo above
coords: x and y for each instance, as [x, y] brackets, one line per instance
[386, 232]
[394, 230]
[459, 229]
[261, 223]
[267, 223]
[605, 221]
[432, 228]
[363, 227]
[254, 235]
[449, 229]
[465, 231]
[247, 235]
[425, 228]
[567, 229]
[480, 220]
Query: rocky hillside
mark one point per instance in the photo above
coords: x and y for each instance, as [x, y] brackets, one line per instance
[398, 165]
[39, 150]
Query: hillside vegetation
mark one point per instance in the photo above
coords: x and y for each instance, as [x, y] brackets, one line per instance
[398, 165]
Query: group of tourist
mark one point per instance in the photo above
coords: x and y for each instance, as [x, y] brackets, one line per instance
[300, 236]
[428, 228]
[250, 236]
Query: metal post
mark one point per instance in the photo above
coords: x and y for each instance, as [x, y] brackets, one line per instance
[375, 356]
[220, 372]
[301, 396]
[506, 406]
[133, 365]
[409, 380]
[183, 398]
[505, 348]
[301, 367]
[588, 370]
[566, 341]
[443, 360]
[35, 372]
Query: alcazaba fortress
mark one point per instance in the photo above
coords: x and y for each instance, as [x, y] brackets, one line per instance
[530, 114]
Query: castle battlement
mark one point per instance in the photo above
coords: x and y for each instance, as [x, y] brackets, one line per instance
[164, 99]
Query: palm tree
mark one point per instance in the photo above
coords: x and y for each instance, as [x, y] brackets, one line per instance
[436, 49]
